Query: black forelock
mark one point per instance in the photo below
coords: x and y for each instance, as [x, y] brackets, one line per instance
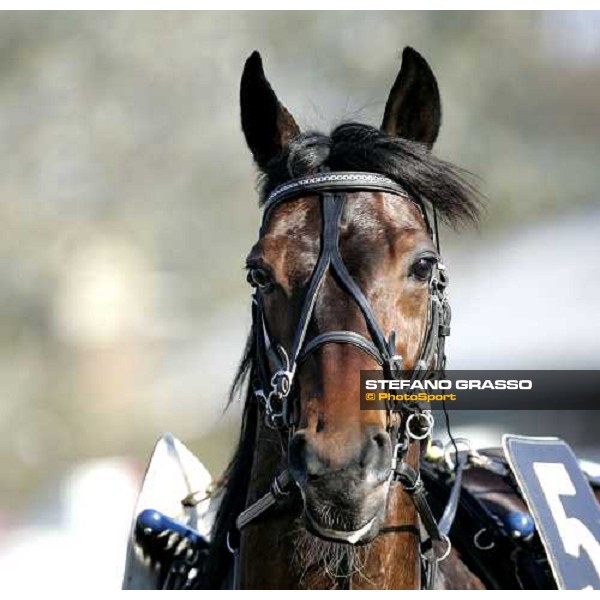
[357, 147]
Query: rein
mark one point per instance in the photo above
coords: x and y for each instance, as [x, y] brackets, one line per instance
[276, 368]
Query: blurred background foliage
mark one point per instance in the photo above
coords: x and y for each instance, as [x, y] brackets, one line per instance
[127, 205]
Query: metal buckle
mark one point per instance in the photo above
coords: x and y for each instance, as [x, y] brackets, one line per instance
[415, 486]
[396, 457]
[277, 490]
[396, 364]
[274, 419]
[443, 279]
[281, 382]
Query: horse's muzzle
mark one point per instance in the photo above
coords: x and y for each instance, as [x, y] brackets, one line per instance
[345, 487]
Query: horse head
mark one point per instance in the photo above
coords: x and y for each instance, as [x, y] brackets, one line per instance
[343, 275]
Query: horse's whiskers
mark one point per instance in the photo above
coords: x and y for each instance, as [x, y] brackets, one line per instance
[335, 560]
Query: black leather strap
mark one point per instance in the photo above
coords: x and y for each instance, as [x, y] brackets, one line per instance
[340, 337]
[411, 481]
[279, 488]
[445, 523]
[331, 214]
[331, 182]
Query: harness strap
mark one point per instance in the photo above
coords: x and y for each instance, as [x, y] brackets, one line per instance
[332, 209]
[350, 286]
[437, 531]
[411, 482]
[332, 214]
[449, 514]
[279, 489]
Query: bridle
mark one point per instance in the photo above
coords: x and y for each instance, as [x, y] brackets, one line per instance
[273, 380]
[277, 366]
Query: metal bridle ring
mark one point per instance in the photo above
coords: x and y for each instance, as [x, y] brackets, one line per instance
[269, 407]
[428, 417]
[446, 552]
[477, 543]
[281, 383]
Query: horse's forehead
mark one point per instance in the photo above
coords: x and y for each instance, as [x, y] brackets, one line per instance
[365, 214]
[301, 216]
[371, 213]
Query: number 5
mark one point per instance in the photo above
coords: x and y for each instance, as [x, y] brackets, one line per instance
[556, 482]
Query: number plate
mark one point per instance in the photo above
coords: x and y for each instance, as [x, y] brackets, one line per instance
[565, 511]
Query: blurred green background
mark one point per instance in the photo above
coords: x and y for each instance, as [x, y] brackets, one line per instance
[127, 205]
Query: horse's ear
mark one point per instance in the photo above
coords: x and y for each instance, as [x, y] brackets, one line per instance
[266, 123]
[413, 110]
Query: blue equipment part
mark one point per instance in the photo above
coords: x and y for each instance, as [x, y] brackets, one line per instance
[518, 524]
[152, 523]
[168, 542]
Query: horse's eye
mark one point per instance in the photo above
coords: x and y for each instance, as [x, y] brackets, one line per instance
[423, 268]
[259, 278]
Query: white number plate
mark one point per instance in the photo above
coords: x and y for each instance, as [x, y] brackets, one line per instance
[563, 506]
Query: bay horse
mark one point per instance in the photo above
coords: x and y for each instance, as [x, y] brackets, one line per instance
[346, 276]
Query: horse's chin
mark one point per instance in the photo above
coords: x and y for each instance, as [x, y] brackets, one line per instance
[361, 534]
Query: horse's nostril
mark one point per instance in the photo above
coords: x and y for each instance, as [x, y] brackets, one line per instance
[381, 439]
[320, 424]
[304, 460]
[376, 455]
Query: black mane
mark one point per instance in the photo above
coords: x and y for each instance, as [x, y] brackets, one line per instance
[357, 147]
[233, 485]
